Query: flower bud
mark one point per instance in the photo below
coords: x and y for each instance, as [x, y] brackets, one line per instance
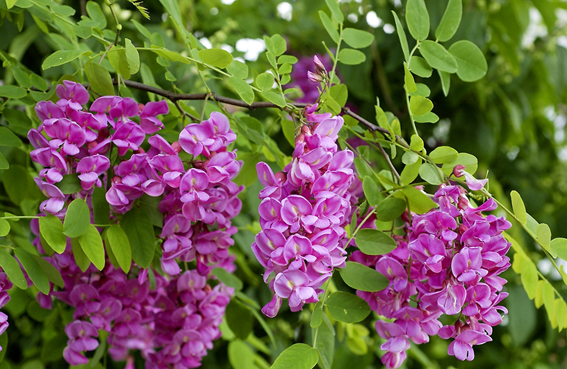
[458, 170]
[319, 65]
[315, 78]
[176, 146]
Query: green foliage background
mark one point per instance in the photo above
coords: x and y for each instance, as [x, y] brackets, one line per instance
[512, 120]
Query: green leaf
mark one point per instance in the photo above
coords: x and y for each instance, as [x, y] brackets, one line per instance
[61, 57]
[8, 138]
[120, 246]
[417, 19]
[242, 88]
[416, 143]
[339, 93]
[420, 105]
[443, 154]
[347, 308]
[422, 90]
[279, 43]
[216, 57]
[297, 356]
[371, 191]
[401, 36]
[12, 92]
[419, 66]
[77, 219]
[529, 278]
[288, 128]
[3, 162]
[133, 57]
[9, 5]
[519, 207]
[101, 209]
[13, 270]
[264, 81]
[335, 10]
[4, 227]
[543, 234]
[450, 21]
[445, 81]
[411, 87]
[430, 174]
[274, 97]
[351, 56]
[427, 118]
[410, 172]
[70, 184]
[50, 271]
[227, 278]
[172, 8]
[239, 319]
[357, 38]
[22, 78]
[51, 230]
[317, 316]
[374, 242]
[140, 231]
[363, 278]
[521, 314]
[92, 246]
[99, 79]
[558, 247]
[471, 64]
[238, 69]
[35, 272]
[325, 345]
[419, 202]
[287, 59]
[81, 259]
[548, 299]
[438, 57]
[95, 13]
[329, 26]
[390, 209]
[240, 355]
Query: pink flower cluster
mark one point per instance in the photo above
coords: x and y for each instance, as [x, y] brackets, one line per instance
[172, 325]
[450, 265]
[303, 213]
[5, 285]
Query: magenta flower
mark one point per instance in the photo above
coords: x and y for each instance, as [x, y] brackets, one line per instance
[293, 285]
[462, 346]
[91, 167]
[72, 95]
[296, 212]
[148, 117]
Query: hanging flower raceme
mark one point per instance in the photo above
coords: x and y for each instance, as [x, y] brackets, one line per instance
[303, 213]
[449, 262]
[174, 322]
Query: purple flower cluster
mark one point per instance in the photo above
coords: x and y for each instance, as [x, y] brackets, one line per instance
[303, 213]
[174, 324]
[304, 75]
[5, 285]
[449, 265]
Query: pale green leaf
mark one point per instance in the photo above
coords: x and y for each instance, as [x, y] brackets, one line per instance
[347, 308]
[133, 57]
[374, 242]
[120, 246]
[450, 21]
[519, 207]
[420, 105]
[401, 36]
[471, 63]
[438, 57]
[99, 79]
[92, 246]
[216, 57]
[61, 57]
[417, 19]
[363, 278]
[330, 27]
[297, 356]
[357, 38]
[51, 230]
[351, 56]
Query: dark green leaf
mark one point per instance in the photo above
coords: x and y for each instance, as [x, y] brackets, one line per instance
[438, 57]
[140, 231]
[297, 356]
[101, 210]
[445, 81]
[417, 19]
[99, 79]
[363, 278]
[51, 230]
[35, 272]
[227, 278]
[3, 162]
[216, 57]
[8, 138]
[357, 38]
[22, 78]
[70, 184]
[61, 57]
[12, 92]
[95, 13]
[351, 56]
[12, 269]
[374, 242]
[347, 308]
[371, 191]
[471, 64]
[77, 218]
[401, 36]
[4, 227]
[20, 123]
[81, 259]
[239, 319]
[120, 246]
[50, 271]
[317, 316]
[390, 209]
[325, 345]
[450, 21]
[92, 246]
